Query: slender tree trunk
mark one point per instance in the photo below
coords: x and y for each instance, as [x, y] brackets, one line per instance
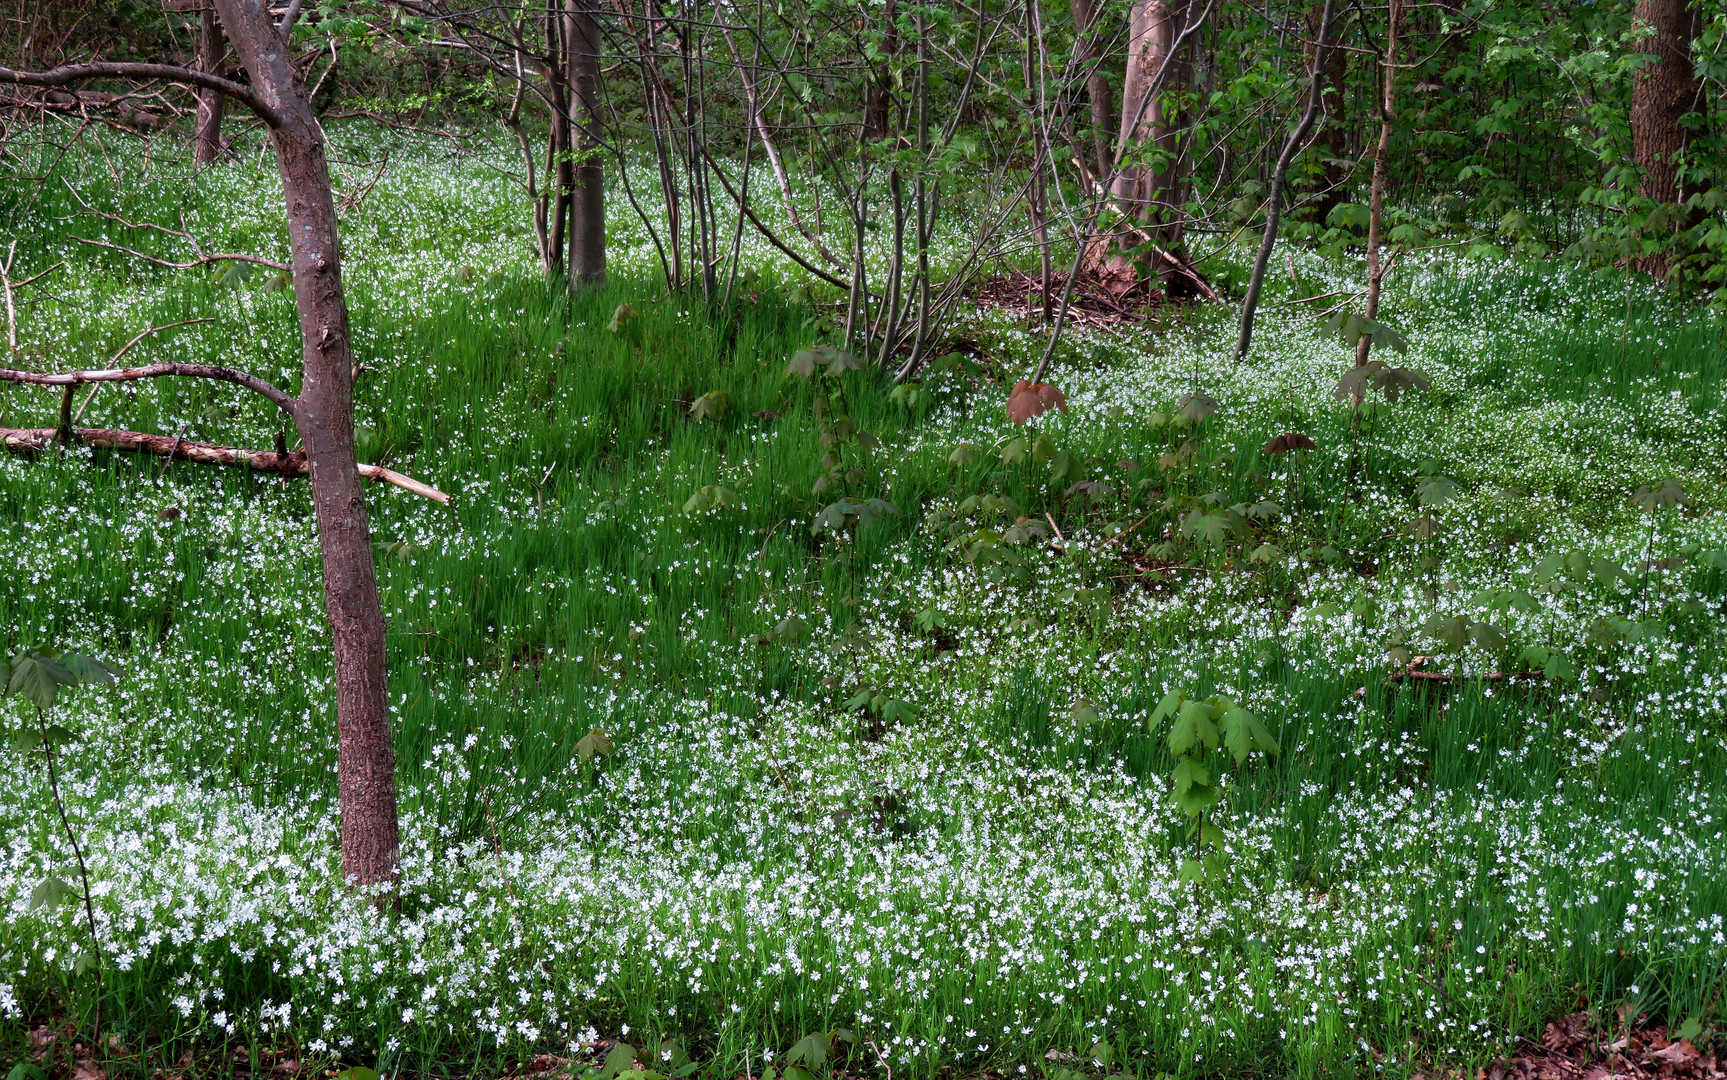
[1663, 89]
[207, 143]
[588, 195]
[366, 761]
[1330, 138]
[558, 165]
[1274, 198]
[878, 107]
[1381, 153]
[1097, 88]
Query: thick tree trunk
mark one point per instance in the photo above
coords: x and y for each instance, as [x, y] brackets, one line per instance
[1153, 193]
[207, 142]
[588, 177]
[1663, 89]
[366, 762]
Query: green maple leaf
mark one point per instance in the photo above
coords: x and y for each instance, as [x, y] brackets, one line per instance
[595, 743]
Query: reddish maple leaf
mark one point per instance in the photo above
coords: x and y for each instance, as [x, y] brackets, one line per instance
[1029, 399]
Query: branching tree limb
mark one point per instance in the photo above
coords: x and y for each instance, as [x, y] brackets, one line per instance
[68, 74]
[152, 371]
[198, 260]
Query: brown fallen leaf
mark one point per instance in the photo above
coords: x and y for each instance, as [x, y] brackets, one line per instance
[1676, 1051]
[88, 1070]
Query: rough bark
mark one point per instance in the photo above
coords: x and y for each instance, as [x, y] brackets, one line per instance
[207, 141]
[1664, 88]
[366, 763]
[587, 175]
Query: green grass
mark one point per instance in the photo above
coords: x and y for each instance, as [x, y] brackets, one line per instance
[1422, 875]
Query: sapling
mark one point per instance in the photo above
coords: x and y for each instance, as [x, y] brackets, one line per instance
[1207, 738]
[1654, 498]
[1353, 389]
[37, 675]
[1432, 490]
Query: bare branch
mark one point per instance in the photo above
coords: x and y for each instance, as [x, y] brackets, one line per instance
[201, 260]
[153, 371]
[199, 256]
[67, 74]
[32, 440]
[142, 334]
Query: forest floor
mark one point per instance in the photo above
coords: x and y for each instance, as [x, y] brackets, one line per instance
[885, 775]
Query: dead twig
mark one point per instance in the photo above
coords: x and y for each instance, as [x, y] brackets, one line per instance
[33, 440]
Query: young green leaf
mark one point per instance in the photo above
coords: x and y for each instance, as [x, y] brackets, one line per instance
[810, 1051]
[1083, 713]
[50, 893]
[621, 318]
[595, 743]
[711, 406]
[1168, 707]
[620, 1060]
[1195, 725]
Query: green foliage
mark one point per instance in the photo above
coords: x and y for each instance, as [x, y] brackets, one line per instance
[1197, 729]
[1376, 375]
[833, 361]
[712, 405]
[1349, 328]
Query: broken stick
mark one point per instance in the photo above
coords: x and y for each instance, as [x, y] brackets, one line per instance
[32, 440]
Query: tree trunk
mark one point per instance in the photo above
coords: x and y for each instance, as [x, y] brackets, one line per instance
[207, 143]
[1152, 193]
[1381, 153]
[1274, 198]
[879, 104]
[1097, 88]
[1663, 89]
[1329, 140]
[366, 761]
[558, 171]
[588, 176]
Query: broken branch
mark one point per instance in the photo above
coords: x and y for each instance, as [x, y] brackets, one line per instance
[152, 371]
[32, 440]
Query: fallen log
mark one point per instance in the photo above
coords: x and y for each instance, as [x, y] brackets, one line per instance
[34, 440]
[1412, 673]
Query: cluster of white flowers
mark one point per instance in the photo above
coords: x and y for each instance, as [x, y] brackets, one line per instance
[976, 886]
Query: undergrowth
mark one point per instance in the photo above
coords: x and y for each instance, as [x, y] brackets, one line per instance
[741, 698]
